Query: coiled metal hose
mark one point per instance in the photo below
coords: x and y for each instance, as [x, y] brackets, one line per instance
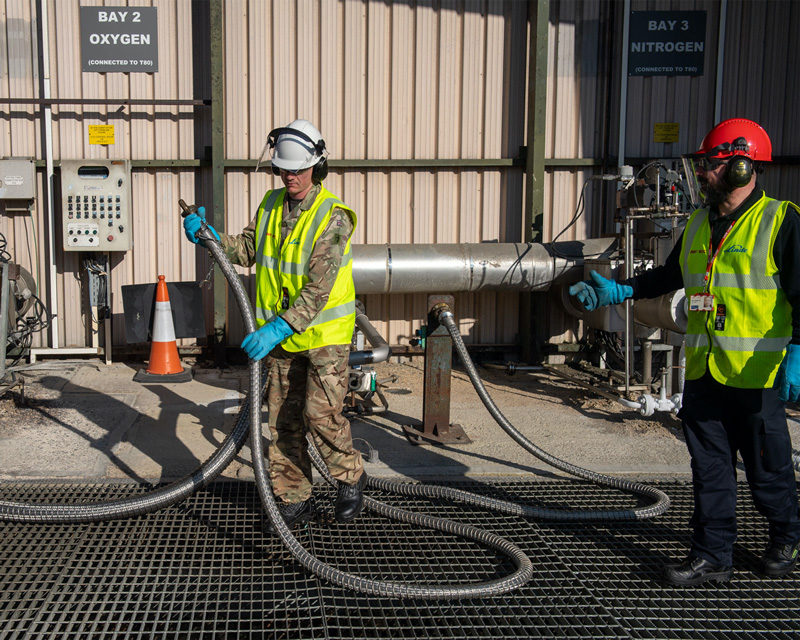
[661, 499]
[659, 506]
[250, 416]
[250, 413]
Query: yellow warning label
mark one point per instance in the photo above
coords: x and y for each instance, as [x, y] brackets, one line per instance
[101, 134]
[666, 131]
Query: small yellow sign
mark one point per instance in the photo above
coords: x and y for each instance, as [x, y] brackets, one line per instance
[101, 134]
[666, 131]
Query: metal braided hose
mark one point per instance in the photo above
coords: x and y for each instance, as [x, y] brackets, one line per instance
[172, 493]
[661, 499]
[250, 416]
[524, 567]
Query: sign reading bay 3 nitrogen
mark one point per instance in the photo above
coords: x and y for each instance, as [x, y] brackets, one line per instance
[667, 43]
[119, 39]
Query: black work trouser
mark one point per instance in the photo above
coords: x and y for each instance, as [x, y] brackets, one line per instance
[718, 421]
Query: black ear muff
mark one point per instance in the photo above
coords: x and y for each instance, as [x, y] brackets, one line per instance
[276, 171]
[739, 172]
[320, 171]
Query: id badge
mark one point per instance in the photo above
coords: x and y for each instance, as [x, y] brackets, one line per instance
[285, 299]
[701, 302]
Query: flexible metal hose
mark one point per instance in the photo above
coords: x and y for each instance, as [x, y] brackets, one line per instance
[524, 567]
[661, 499]
[251, 412]
[250, 416]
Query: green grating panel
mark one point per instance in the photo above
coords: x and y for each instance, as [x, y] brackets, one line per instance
[203, 569]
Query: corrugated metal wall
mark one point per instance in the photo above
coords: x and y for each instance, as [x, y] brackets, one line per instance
[391, 81]
[397, 88]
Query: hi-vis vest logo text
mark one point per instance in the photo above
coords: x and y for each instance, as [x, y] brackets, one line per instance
[295, 241]
[737, 248]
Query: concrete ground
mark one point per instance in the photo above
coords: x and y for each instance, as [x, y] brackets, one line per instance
[83, 419]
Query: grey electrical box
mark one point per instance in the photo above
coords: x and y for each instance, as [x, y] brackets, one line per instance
[96, 205]
[17, 179]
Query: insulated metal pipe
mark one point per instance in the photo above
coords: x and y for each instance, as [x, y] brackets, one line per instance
[431, 268]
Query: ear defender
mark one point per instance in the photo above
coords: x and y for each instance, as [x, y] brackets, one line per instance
[320, 171]
[739, 172]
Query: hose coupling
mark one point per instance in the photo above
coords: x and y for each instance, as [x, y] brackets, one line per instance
[441, 311]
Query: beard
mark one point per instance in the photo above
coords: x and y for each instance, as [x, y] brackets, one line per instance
[715, 194]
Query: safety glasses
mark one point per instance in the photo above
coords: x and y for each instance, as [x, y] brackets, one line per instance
[709, 164]
[294, 173]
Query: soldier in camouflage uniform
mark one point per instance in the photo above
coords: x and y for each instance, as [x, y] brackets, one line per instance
[306, 378]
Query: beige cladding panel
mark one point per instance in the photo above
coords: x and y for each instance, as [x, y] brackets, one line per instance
[389, 81]
[385, 81]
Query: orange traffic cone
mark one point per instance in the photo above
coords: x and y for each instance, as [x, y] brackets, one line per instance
[165, 363]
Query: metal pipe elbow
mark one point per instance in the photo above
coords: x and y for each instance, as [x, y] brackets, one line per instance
[380, 351]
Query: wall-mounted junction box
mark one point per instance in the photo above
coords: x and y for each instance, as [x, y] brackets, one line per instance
[96, 205]
[17, 179]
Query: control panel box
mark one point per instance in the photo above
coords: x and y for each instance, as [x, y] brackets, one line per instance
[96, 205]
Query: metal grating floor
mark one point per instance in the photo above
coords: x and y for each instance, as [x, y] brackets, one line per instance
[203, 569]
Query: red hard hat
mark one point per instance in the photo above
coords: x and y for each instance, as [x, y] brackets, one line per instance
[736, 137]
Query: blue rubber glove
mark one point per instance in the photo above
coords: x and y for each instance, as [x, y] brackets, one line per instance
[192, 224]
[788, 379]
[600, 292]
[259, 343]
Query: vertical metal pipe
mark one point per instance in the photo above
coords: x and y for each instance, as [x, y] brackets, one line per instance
[647, 362]
[623, 88]
[5, 292]
[723, 19]
[628, 304]
[217, 39]
[539, 17]
[52, 280]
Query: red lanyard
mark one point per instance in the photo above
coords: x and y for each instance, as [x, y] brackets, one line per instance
[712, 258]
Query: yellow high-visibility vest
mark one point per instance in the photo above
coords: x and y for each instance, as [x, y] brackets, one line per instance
[282, 271]
[742, 340]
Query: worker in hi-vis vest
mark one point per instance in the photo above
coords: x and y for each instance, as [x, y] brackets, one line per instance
[299, 241]
[738, 259]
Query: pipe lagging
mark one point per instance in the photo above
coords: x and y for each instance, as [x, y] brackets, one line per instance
[408, 268]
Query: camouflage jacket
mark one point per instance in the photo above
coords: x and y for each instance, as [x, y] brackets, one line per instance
[323, 264]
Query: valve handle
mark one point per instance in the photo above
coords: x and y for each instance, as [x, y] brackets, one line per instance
[187, 209]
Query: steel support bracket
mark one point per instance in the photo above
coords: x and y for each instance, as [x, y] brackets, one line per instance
[436, 425]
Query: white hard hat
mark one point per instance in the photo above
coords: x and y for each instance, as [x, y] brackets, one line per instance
[297, 146]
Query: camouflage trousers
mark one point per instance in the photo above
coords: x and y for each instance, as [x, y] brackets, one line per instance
[305, 394]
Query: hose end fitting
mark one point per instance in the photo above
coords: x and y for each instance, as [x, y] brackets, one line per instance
[441, 311]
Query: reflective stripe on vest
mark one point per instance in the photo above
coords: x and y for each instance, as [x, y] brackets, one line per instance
[742, 345]
[284, 266]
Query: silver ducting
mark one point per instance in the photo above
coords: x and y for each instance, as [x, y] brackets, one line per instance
[453, 268]
[669, 311]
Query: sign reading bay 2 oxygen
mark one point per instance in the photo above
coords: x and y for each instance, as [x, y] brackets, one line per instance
[119, 39]
[667, 43]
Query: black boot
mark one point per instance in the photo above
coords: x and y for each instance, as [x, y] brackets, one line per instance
[350, 499]
[694, 571]
[293, 513]
[779, 559]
